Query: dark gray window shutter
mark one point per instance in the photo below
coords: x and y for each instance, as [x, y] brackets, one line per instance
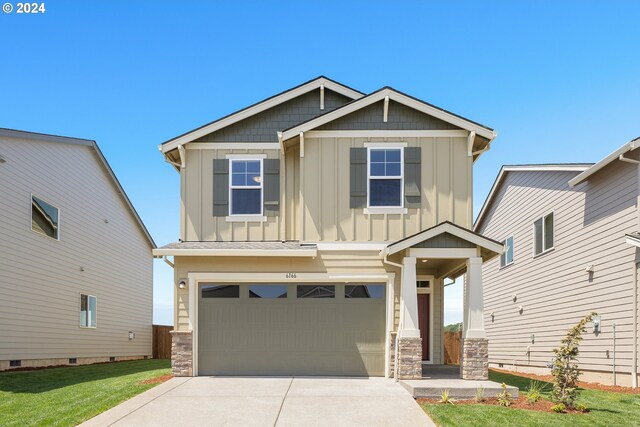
[358, 178]
[220, 187]
[412, 177]
[271, 187]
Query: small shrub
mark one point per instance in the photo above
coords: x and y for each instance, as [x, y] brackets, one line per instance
[534, 391]
[581, 408]
[504, 397]
[445, 398]
[565, 367]
[480, 394]
[558, 408]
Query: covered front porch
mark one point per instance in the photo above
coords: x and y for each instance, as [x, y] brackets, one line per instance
[443, 251]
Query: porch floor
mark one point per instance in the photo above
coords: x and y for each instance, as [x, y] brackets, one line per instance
[436, 378]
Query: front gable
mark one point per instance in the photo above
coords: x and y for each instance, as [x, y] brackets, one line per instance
[399, 117]
[264, 126]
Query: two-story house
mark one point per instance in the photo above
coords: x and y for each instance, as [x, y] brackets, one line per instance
[76, 276]
[571, 248]
[320, 224]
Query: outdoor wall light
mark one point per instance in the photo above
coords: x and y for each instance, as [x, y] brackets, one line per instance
[590, 269]
[596, 324]
[132, 335]
[182, 284]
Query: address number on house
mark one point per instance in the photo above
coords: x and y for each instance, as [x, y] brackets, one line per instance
[290, 275]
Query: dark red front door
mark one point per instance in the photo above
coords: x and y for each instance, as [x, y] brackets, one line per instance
[423, 321]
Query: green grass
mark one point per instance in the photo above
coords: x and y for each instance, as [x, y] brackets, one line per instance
[69, 396]
[607, 409]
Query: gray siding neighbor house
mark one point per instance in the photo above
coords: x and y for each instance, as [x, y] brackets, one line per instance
[76, 279]
[571, 247]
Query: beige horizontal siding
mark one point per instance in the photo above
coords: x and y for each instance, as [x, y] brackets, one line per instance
[554, 289]
[40, 278]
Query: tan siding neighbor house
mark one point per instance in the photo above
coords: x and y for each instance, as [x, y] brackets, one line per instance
[319, 225]
[585, 259]
[76, 270]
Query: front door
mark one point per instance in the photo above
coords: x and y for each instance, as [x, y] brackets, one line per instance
[423, 321]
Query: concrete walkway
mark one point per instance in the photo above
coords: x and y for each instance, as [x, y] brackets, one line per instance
[259, 401]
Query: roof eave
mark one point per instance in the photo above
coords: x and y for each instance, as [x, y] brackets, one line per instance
[631, 145]
[304, 252]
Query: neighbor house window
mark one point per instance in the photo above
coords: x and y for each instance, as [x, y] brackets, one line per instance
[88, 311]
[245, 189]
[44, 218]
[543, 234]
[385, 177]
[507, 256]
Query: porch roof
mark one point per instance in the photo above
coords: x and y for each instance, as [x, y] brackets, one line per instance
[446, 237]
[290, 249]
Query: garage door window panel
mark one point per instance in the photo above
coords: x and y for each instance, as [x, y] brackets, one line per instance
[220, 291]
[316, 291]
[364, 291]
[268, 291]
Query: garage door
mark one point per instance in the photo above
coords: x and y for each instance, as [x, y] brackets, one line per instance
[301, 329]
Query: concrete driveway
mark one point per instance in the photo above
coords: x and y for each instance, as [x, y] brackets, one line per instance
[249, 401]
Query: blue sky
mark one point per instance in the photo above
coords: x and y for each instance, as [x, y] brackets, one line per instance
[559, 81]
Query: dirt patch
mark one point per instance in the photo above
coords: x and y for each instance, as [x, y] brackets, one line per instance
[157, 380]
[541, 405]
[581, 384]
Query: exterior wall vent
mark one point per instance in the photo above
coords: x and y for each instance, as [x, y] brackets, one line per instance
[73, 361]
[15, 363]
[112, 359]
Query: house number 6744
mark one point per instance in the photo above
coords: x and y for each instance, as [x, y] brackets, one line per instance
[291, 275]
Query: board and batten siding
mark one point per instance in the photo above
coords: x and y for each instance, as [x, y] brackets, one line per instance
[327, 216]
[41, 278]
[554, 289]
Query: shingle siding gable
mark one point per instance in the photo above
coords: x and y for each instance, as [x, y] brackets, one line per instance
[263, 127]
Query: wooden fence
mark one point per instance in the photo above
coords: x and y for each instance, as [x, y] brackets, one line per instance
[162, 341]
[452, 347]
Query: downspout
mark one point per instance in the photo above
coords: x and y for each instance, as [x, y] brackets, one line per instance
[622, 158]
[169, 263]
[634, 359]
[396, 347]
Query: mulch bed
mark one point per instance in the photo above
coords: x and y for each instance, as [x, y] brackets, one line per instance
[519, 403]
[157, 380]
[581, 384]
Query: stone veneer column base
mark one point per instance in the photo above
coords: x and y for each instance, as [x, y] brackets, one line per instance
[409, 358]
[182, 353]
[475, 359]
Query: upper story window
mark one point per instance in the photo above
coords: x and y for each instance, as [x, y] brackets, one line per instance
[245, 189]
[507, 256]
[44, 218]
[385, 178]
[543, 234]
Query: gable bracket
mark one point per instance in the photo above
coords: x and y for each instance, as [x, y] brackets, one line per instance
[322, 96]
[385, 113]
[470, 139]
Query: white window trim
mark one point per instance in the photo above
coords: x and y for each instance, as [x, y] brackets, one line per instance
[381, 209]
[507, 264]
[553, 232]
[246, 217]
[31, 217]
[89, 319]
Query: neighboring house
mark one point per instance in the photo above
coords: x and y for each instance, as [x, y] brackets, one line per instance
[76, 270]
[317, 224]
[571, 248]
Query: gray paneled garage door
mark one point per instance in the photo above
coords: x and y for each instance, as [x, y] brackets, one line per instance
[306, 329]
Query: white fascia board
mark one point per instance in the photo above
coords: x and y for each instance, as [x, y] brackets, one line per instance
[395, 96]
[444, 228]
[232, 146]
[632, 240]
[632, 145]
[522, 168]
[258, 108]
[350, 246]
[237, 252]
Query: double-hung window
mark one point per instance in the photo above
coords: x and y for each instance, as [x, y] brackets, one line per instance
[245, 189]
[385, 177]
[44, 218]
[88, 311]
[507, 256]
[543, 234]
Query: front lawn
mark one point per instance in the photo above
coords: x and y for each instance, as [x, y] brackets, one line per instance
[606, 409]
[68, 396]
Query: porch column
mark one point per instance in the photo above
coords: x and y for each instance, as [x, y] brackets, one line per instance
[409, 341]
[475, 355]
